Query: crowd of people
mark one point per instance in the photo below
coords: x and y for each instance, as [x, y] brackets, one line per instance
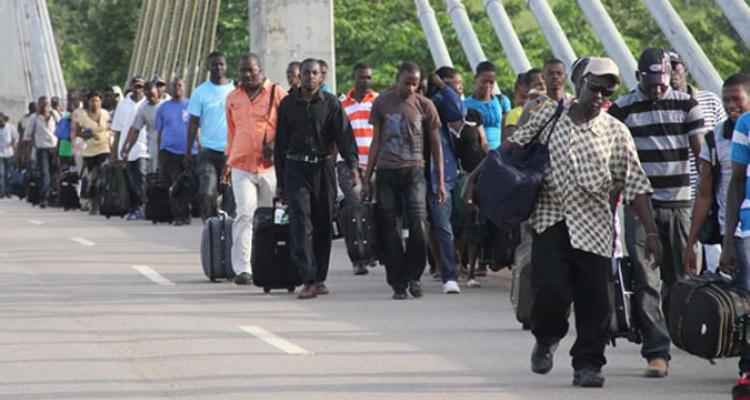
[674, 155]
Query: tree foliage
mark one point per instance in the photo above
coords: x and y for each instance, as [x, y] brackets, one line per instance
[96, 37]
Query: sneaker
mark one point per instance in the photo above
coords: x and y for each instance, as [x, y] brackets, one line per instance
[588, 378]
[657, 368]
[360, 269]
[451, 287]
[399, 295]
[415, 289]
[741, 390]
[244, 278]
[473, 283]
[132, 216]
[321, 289]
[542, 357]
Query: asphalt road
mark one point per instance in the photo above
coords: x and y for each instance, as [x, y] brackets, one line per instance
[97, 309]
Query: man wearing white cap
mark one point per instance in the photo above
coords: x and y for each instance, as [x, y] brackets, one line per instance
[592, 156]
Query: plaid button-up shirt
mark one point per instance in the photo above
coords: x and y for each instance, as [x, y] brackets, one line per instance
[588, 163]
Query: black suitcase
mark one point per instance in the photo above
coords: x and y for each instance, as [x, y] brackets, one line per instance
[216, 248]
[158, 208]
[356, 220]
[622, 301]
[272, 268]
[113, 191]
[17, 183]
[33, 187]
[68, 192]
[707, 316]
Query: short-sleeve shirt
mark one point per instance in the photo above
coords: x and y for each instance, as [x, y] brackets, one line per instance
[511, 119]
[723, 157]
[403, 125]
[208, 102]
[8, 135]
[741, 155]
[492, 115]
[145, 125]
[172, 121]
[122, 121]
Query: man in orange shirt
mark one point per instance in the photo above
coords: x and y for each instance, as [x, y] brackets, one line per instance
[357, 104]
[251, 122]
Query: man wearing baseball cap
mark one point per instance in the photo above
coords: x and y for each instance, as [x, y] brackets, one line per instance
[666, 125]
[592, 156]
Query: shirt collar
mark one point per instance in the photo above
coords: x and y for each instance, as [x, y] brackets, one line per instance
[369, 96]
[642, 96]
[316, 97]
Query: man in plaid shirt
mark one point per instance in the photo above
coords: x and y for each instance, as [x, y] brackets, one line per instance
[592, 157]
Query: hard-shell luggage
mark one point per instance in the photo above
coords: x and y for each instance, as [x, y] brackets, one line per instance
[216, 248]
[622, 300]
[158, 208]
[707, 316]
[113, 191]
[357, 223]
[68, 191]
[271, 266]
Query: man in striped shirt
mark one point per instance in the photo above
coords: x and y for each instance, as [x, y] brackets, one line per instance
[357, 104]
[666, 126]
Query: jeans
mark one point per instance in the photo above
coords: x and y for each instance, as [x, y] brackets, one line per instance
[742, 281]
[442, 230]
[652, 284]
[396, 187]
[44, 158]
[311, 193]
[137, 171]
[210, 167]
[5, 169]
[561, 275]
[170, 167]
[250, 192]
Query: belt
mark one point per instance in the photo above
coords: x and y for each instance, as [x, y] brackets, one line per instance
[308, 158]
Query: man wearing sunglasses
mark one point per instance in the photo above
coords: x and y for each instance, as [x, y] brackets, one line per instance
[592, 156]
[667, 125]
[124, 117]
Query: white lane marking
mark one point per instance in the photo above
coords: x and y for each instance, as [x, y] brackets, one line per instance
[82, 241]
[36, 222]
[275, 341]
[156, 277]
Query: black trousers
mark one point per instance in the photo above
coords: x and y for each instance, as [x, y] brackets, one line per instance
[561, 275]
[311, 193]
[170, 167]
[210, 167]
[397, 189]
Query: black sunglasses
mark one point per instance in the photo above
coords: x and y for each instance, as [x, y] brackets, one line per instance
[604, 91]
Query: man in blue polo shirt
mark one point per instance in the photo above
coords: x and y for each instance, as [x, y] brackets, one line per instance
[207, 111]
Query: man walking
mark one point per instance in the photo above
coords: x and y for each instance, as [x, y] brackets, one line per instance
[311, 125]
[207, 110]
[666, 126]
[138, 137]
[358, 105]
[8, 143]
[252, 111]
[592, 156]
[124, 116]
[171, 123]
[44, 143]
[404, 123]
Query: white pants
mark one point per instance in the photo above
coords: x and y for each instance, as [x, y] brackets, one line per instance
[713, 253]
[250, 192]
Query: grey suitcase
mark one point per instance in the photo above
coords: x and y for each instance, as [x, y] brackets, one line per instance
[216, 248]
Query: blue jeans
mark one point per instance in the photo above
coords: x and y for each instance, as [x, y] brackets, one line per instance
[440, 216]
[44, 160]
[137, 171]
[742, 281]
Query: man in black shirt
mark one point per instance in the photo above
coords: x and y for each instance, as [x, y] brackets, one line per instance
[311, 126]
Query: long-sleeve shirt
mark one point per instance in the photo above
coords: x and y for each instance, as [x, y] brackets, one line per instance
[312, 128]
[588, 162]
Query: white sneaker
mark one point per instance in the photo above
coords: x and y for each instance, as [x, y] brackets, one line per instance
[451, 287]
[473, 283]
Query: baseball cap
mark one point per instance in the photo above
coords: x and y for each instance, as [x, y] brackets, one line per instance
[117, 90]
[654, 66]
[602, 66]
[157, 80]
[674, 57]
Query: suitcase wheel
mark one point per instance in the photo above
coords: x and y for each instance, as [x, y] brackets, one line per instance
[266, 290]
[290, 289]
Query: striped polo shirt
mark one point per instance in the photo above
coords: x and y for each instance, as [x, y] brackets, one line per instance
[661, 130]
[741, 155]
[359, 116]
[713, 112]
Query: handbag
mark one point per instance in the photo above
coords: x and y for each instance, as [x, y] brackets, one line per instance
[511, 177]
[710, 232]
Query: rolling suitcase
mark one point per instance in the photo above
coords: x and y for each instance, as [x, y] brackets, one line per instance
[622, 300]
[17, 183]
[216, 248]
[33, 187]
[357, 223]
[158, 208]
[271, 266]
[708, 316]
[113, 191]
[68, 192]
